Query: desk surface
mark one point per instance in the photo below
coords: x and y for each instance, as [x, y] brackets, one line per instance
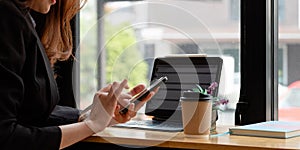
[145, 138]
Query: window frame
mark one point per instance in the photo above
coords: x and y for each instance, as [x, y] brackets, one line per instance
[258, 95]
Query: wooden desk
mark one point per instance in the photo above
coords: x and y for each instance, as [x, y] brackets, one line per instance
[144, 138]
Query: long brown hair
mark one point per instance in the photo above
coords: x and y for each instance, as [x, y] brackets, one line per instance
[57, 34]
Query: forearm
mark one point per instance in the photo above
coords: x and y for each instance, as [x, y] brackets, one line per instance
[63, 115]
[74, 133]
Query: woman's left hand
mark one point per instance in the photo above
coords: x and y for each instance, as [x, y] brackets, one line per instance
[132, 109]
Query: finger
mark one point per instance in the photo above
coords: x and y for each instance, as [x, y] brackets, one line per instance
[113, 89]
[149, 96]
[125, 96]
[143, 101]
[118, 108]
[139, 106]
[123, 103]
[137, 89]
[101, 95]
[121, 118]
[124, 99]
[117, 117]
[117, 88]
[120, 88]
[106, 88]
[127, 86]
[131, 110]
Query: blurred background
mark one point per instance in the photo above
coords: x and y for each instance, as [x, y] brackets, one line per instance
[120, 39]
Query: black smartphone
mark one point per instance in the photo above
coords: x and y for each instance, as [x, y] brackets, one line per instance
[140, 96]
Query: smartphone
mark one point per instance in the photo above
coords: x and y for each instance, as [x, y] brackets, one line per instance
[140, 96]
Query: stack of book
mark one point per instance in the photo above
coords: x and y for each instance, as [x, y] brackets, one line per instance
[274, 129]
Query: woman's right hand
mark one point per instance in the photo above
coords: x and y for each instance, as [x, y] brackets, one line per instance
[104, 104]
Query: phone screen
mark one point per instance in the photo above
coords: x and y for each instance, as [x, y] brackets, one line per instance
[140, 96]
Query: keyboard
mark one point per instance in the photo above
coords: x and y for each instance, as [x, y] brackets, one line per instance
[153, 125]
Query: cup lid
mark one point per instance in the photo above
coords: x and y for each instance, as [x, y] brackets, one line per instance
[194, 96]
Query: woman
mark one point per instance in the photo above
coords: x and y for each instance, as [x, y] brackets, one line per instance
[28, 91]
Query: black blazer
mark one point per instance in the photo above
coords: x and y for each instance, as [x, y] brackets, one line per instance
[28, 91]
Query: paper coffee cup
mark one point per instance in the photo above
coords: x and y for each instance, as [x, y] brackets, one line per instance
[196, 113]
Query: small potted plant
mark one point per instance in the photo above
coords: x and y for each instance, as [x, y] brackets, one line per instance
[217, 102]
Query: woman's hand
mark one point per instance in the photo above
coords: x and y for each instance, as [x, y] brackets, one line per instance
[137, 89]
[132, 109]
[104, 106]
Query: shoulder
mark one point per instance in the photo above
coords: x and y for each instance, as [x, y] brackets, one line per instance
[11, 12]
[14, 18]
[10, 6]
[16, 35]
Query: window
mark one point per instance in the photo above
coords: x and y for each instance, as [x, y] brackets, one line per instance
[234, 10]
[153, 33]
[282, 11]
[123, 38]
[289, 61]
[88, 53]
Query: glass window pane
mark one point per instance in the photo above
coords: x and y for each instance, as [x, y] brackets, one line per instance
[289, 60]
[87, 56]
[136, 32]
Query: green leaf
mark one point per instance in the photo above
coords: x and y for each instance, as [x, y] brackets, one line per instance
[204, 92]
[200, 89]
[196, 90]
